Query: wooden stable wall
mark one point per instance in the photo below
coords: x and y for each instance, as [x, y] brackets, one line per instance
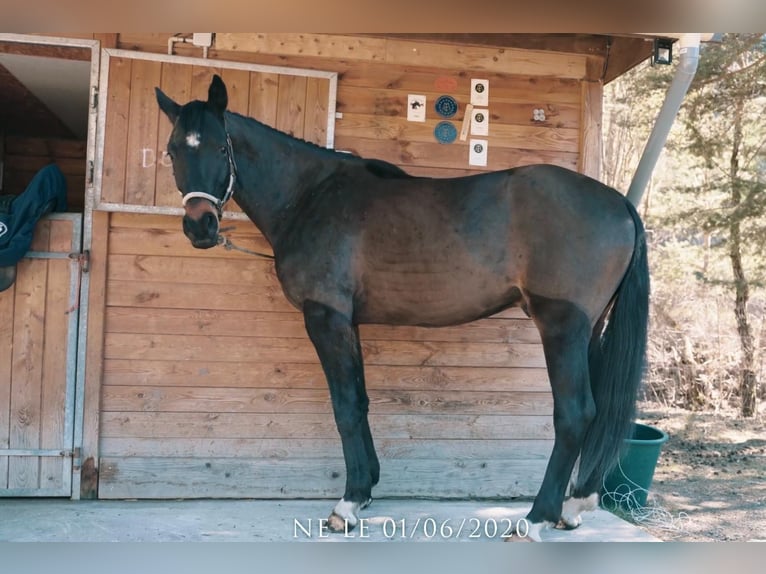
[25, 156]
[377, 74]
[210, 387]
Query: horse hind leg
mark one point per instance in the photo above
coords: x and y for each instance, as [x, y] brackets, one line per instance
[337, 343]
[565, 331]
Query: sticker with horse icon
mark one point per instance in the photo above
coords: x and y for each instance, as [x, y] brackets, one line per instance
[416, 108]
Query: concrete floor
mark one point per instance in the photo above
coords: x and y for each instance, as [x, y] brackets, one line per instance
[58, 520]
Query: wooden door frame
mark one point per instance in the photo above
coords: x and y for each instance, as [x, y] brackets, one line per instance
[85, 396]
[107, 54]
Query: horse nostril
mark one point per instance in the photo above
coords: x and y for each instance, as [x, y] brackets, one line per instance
[210, 223]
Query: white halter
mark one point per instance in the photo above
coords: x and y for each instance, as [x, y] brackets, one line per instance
[218, 202]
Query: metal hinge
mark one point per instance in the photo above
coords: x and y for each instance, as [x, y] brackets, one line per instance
[90, 172]
[94, 98]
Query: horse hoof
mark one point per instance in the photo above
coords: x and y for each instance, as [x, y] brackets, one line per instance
[564, 525]
[515, 538]
[336, 523]
[572, 509]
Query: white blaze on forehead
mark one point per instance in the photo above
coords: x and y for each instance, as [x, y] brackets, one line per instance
[192, 139]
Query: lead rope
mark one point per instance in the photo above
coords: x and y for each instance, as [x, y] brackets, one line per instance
[227, 244]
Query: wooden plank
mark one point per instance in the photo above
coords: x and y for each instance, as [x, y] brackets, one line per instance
[527, 137]
[45, 147]
[407, 52]
[94, 355]
[291, 108]
[117, 118]
[176, 83]
[393, 103]
[401, 353]
[590, 140]
[238, 90]
[26, 388]
[54, 359]
[250, 374]
[317, 98]
[142, 133]
[287, 426]
[253, 271]
[242, 228]
[201, 78]
[421, 154]
[264, 95]
[281, 449]
[192, 296]
[7, 309]
[33, 164]
[318, 45]
[317, 478]
[137, 241]
[291, 325]
[311, 401]
[480, 59]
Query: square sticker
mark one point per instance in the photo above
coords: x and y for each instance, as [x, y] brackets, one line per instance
[477, 152]
[480, 122]
[480, 92]
[416, 108]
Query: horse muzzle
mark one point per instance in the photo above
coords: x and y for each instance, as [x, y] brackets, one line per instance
[200, 224]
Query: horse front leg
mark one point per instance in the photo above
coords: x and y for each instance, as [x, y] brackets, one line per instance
[336, 341]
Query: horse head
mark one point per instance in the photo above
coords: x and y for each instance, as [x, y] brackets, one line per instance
[200, 150]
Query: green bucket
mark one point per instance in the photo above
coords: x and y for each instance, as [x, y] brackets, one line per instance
[627, 485]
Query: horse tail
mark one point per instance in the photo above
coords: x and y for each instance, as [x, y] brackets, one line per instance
[616, 361]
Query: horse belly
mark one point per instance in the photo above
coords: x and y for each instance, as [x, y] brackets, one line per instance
[433, 297]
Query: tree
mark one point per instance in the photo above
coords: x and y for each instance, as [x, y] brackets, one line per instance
[724, 122]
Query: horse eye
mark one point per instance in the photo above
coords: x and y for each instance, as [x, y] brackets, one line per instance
[222, 149]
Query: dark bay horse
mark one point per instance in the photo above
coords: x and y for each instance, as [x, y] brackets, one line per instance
[360, 241]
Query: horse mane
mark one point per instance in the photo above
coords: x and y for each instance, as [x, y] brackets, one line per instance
[377, 167]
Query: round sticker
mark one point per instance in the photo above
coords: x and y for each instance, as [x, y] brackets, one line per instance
[446, 106]
[445, 132]
[479, 117]
[445, 83]
[478, 148]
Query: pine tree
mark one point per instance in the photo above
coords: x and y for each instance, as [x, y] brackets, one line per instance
[725, 123]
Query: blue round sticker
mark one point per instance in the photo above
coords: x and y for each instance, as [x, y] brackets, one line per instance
[446, 106]
[445, 132]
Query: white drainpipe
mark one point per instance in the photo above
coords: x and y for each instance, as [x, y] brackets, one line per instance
[689, 51]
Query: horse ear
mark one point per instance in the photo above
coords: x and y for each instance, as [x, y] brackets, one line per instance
[217, 99]
[167, 105]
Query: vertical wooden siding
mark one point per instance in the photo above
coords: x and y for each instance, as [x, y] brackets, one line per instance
[33, 363]
[136, 168]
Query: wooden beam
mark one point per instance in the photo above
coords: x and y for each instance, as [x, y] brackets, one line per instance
[59, 52]
[624, 54]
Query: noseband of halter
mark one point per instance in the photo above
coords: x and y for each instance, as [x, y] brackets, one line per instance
[218, 202]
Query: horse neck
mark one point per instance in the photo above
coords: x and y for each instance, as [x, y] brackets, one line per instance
[274, 172]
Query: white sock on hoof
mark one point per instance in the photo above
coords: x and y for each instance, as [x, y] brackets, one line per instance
[535, 528]
[348, 511]
[573, 507]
